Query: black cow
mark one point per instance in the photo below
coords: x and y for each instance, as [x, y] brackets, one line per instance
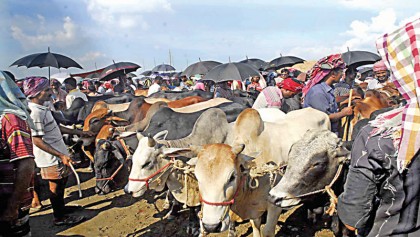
[176, 95]
[70, 115]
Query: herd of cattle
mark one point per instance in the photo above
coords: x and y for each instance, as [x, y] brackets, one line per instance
[223, 160]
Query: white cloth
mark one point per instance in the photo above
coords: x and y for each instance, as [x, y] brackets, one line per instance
[375, 84]
[101, 90]
[153, 89]
[46, 127]
[72, 95]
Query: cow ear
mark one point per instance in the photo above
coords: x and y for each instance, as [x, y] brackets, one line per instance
[175, 151]
[339, 150]
[196, 149]
[161, 135]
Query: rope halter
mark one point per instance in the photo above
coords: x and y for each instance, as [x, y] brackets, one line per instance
[148, 178]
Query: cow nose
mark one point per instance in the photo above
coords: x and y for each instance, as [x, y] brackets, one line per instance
[126, 190]
[275, 200]
[213, 228]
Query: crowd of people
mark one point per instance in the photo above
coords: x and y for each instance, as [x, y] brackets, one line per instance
[381, 195]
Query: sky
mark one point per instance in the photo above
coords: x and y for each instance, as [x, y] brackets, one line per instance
[96, 32]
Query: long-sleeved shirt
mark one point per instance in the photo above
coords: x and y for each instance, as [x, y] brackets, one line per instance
[377, 199]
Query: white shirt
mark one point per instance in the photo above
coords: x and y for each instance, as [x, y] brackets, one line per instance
[47, 128]
[153, 89]
[72, 95]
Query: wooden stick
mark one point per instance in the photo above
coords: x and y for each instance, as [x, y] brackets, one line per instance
[346, 132]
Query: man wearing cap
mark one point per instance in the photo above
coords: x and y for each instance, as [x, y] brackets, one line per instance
[381, 76]
[273, 96]
[319, 92]
[156, 86]
[50, 152]
[74, 92]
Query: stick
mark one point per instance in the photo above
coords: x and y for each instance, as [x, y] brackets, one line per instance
[346, 126]
[77, 179]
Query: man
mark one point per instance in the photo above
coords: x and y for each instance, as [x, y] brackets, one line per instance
[51, 154]
[71, 86]
[16, 160]
[155, 87]
[382, 192]
[381, 76]
[273, 97]
[100, 89]
[58, 93]
[319, 92]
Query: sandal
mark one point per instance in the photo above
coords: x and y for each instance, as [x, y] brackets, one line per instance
[69, 220]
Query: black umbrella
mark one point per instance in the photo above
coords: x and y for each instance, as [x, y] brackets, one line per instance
[365, 70]
[255, 62]
[46, 60]
[359, 58]
[163, 68]
[231, 71]
[118, 69]
[283, 61]
[201, 67]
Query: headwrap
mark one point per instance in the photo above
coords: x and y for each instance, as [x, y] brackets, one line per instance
[379, 66]
[12, 100]
[400, 52]
[291, 85]
[322, 68]
[32, 86]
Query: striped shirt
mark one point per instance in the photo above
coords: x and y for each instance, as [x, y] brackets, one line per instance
[16, 133]
[46, 128]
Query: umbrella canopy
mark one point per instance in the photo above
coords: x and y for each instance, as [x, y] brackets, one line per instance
[47, 59]
[146, 73]
[231, 71]
[118, 69]
[255, 62]
[201, 67]
[95, 75]
[359, 58]
[131, 74]
[283, 61]
[365, 70]
[163, 68]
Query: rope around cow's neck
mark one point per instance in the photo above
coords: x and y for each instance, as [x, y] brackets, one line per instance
[328, 189]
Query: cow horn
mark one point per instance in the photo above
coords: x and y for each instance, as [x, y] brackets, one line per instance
[236, 149]
[151, 142]
[109, 112]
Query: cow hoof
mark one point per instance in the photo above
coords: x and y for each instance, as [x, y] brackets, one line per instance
[193, 230]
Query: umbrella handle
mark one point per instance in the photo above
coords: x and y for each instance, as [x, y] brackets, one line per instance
[346, 126]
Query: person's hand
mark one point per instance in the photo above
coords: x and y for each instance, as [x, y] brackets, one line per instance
[87, 134]
[347, 111]
[66, 160]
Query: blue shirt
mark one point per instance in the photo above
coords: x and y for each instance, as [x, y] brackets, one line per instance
[321, 97]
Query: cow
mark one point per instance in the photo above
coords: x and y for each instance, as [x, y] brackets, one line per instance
[313, 167]
[69, 116]
[272, 142]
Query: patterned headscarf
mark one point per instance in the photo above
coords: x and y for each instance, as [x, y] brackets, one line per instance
[32, 86]
[379, 66]
[322, 68]
[400, 51]
[291, 85]
[12, 100]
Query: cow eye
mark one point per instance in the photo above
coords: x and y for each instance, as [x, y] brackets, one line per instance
[146, 164]
[232, 178]
[317, 165]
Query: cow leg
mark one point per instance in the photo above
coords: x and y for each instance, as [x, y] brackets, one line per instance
[232, 231]
[256, 224]
[273, 213]
[175, 208]
[193, 227]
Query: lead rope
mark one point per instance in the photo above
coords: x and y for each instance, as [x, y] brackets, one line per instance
[179, 165]
[333, 198]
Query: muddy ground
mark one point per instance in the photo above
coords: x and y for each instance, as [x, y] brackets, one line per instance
[118, 214]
